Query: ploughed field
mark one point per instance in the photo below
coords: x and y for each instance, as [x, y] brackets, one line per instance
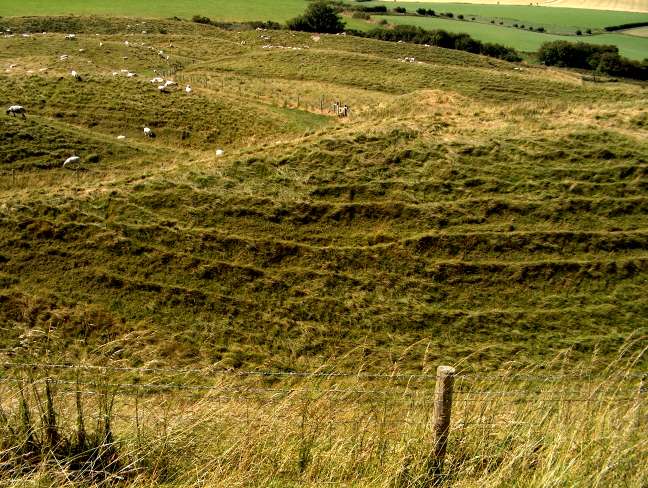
[467, 207]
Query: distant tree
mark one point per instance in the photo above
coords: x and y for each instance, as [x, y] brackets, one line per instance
[400, 10]
[319, 17]
[579, 33]
[460, 16]
[421, 11]
[431, 12]
[540, 29]
[588, 31]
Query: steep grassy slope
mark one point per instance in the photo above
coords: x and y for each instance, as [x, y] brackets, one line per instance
[468, 207]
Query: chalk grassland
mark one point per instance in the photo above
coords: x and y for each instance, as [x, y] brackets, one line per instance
[469, 212]
[608, 5]
[518, 428]
[445, 217]
[633, 47]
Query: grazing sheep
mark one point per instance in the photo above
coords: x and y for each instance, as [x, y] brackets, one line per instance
[121, 138]
[170, 83]
[163, 89]
[149, 133]
[157, 79]
[63, 57]
[220, 153]
[188, 89]
[17, 109]
[75, 75]
[130, 74]
[71, 160]
[126, 43]
[70, 37]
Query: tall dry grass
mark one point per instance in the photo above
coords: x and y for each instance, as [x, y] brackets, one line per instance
[544, 426]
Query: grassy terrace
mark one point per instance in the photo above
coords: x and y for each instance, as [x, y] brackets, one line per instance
[444, 213]
[469, 212]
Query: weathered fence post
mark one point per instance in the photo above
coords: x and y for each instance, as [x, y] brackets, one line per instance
[441, 419]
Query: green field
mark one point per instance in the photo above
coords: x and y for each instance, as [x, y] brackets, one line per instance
[274, 316]
[225, 10]
[633, 47]
[552, 18]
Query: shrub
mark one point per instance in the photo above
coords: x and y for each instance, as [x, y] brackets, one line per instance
[492, 21]
[319, 17]
[626, 26]
[200, 19]
[450, 15]
[603, 59]
[400, 10]
[579, 33]
[382, 22]
[441, 38]
[421, 11]
[431, 13]
[361, 15]
[460, 16]
[540, 29]
[588, 31]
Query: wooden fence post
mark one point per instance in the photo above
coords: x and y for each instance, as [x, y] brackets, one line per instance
[441, 419]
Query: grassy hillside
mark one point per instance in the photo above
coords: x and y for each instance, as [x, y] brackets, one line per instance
[443, 214]
[473, 212]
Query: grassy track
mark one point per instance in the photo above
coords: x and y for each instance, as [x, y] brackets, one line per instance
[632, 47]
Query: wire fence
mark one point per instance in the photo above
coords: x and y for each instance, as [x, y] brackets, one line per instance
[397, 393]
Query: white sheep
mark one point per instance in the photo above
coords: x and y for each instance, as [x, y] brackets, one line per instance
[126, 43]
[70, 37]
[220, 153]
[75, 75]
[149, 133]
[170, 83]
[157, 79]
[188, 89]
[71, 160]
[130, 74]
[121, 138]
[163, 89]
[17, 109]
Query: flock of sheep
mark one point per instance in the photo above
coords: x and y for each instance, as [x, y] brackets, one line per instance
[163, 86]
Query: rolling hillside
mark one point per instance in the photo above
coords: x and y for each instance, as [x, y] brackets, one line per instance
[443, 217]
[273, 315]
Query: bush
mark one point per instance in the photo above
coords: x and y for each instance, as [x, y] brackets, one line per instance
[319, 17]
[199, 19]
[421, 11]
[540, 29]
[460, 17]
[441, 38]
[579, 33]
[492, 21]
[361, 15]
[588, 31]
[431, 12]
[450, 15]
[379, 9]
[400, 10]
[626, 26]
[603, 59]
